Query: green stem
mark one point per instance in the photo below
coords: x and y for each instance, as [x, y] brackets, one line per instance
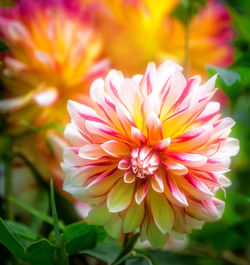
[8, 187]
[122, 259]
[128, 245]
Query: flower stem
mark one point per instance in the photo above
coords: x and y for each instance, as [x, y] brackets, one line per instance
[128, 245]
[8, 187]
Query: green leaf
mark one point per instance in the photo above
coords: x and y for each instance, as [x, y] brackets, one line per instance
[228, 81]
[139, 259]
[9, 240]
[40, 253]
[23, 233]
[54, 215]
[228, 76]
[62, 255]
[187, 9]
[3, 46]
[80, 236]
[106, 253]
[40, 215]
[42, 205]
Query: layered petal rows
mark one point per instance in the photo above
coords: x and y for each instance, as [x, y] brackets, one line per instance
[150, 153]
[54, 51]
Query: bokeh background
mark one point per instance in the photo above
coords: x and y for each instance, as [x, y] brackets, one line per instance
[51, 51]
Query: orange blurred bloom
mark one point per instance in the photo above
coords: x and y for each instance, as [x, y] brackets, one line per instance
[138, 31]
[54, 53]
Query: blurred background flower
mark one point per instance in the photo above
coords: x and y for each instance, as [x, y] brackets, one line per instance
[138, 31]
[43, 67]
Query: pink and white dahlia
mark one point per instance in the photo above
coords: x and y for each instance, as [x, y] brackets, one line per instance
[150, 153]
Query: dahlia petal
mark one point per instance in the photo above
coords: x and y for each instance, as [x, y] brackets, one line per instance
[191, 160]
[141, 192]
[114, 226]
[82, 111]
[48, 96]
[177, 122]
[154, 128]
[101, 130]
[16, 66]
[162, 212]
[165, 70]
[91, 152]
[112, 83]
[163, 144]
[174, 194]
[137, 136]
[148, 80]
[177, 85]
[210, 111]
[156, 238]
[157, 182]
[103, 183]
[99, 215]
[224, 181]
[73, 135]
[132, 99]
[192, 140]
[194, 187]
[124, 164]
[187, 96]
[115, 148]
[230, 147]
[133, 217]
[207, 212]
[72, 159]
[13, 104]
[104, 104]
[129, 177]
[120, 196]
[192, 223]
[44, 58]
[208, 87]
[17, 31]
[174, 167]
[152, 103]
[125, 119]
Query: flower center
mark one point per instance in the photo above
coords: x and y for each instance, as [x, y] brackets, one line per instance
[144, 161]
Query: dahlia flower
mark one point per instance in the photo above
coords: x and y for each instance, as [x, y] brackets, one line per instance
[150, 153]
[54, 52]
[144, 31]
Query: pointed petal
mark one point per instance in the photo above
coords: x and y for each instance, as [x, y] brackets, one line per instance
[120, 196]
[99, 215]
[157, 182]
[174, 194]
[129, 177]
[91, 152]
[124, 164]
[162, 211]
[154, 128]
[114, 226]
[156, 238]
[163, 144]
[137, 136]
[174, 167]
[133, 217]
[115, 148]
[141, 192]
